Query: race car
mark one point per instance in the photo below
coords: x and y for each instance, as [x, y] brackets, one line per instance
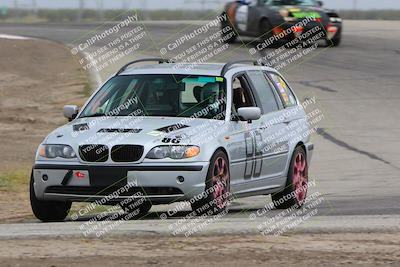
[286, 19]
[168, 132]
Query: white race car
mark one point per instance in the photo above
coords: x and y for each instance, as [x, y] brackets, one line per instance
[167, 132]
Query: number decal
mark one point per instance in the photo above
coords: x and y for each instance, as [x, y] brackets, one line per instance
[258, 161]
[171, 140]
[175, 141]
[249, 143]
[253, 167]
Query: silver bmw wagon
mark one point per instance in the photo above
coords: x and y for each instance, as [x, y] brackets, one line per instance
[159, 132]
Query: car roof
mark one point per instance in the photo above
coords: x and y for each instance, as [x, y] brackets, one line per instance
[204, 69]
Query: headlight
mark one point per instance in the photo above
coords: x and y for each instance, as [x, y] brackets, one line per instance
[54, 151]
[290, 19]
[284, 12]
[173, 152]
[334, 19]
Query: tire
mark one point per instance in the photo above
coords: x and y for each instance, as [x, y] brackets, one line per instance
[48, 211]
[335, 42]
[137, 209]
[265, 30]
[218, 178]
[295, 192]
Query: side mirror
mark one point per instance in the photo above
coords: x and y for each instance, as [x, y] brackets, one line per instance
[249, 113]
[320, 3]
[70, 112]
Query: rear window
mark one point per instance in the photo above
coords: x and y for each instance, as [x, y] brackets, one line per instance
[284, 91]
[264, 91]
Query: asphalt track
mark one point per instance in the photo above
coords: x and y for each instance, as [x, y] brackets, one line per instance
[356, 162]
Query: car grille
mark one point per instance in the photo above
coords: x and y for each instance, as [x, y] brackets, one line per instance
[94, 153]
[126, 153]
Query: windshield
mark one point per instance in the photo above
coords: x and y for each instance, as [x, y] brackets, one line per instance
[291, 2]
[159, 95]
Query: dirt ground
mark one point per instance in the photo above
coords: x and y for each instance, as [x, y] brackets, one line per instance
[295, 250]
[37, 78]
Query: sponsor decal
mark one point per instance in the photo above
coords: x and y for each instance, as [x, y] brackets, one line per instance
[171, 128]
[119, 130]
[167, 129]
[304, 14]
[203, 79]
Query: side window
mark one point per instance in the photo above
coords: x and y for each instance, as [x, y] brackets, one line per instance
[242, 96]
[264, 91]
[252, 2]
[284, 91]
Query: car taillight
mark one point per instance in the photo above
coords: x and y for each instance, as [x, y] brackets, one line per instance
[332, 28]
[277, 30]
[298, 29]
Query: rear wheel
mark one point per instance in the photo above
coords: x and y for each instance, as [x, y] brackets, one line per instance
[295, 191]
[48, 211]
[335, 41]
[265, 30]
[216, 195]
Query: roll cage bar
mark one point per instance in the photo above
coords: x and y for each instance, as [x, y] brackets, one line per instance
[159, 60]
[228, 65]
[224, 70]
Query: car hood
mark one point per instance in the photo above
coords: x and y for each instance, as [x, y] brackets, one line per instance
[129, 130]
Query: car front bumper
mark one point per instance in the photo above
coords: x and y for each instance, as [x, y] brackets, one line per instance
[161, 183]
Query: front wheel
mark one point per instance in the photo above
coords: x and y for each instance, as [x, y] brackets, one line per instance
[334, 42]
[48, 211]
[295, 192]
[216, 196]
[265, 30]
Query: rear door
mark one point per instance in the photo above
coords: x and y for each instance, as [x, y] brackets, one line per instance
[271, 131]
[294, 114]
